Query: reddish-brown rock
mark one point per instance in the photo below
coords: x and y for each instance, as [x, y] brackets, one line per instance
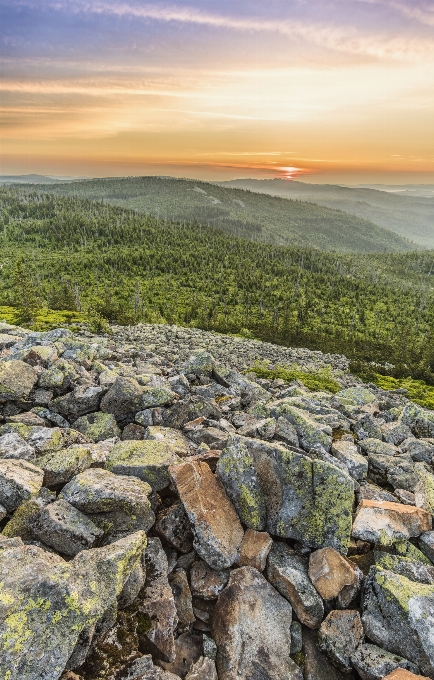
[401, 674]
[254, 549]
[217, 528]
[333, 575]
[384, 522]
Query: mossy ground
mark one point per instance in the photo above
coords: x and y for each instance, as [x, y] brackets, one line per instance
[418, 390]
[317, 381]
[44, 320]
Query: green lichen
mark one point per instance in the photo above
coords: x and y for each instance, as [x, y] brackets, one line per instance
[250, 502]
[401, 589]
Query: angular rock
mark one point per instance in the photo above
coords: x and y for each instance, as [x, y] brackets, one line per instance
[311, 434]
[13, 446]
[367, 428]
[84, 399]
[147, 460]
[188, 650]
[17, 380]
[123, 398]
[61, 466]
[420, 451]
[174, 526]
[405, 566]
[373, 663]
[237, 472]
[21, 521]
[64, 528]
[398, 615]
[296, 638]
[254, 549]
[339, 636]
[286, 432]
[213, 437]
[19, 479]
[217, 529]
[251, 626]
[177, 442]
[383, 522]
[400, 674]
[334, 576]
[424, 490]
[116, 503]
[426, 544]
[356, 396]
[204, 669]
[58, 377]
[157, 618]
[347, 453]
[395, 433]
[316, 664]
[288, 573]
[181, 592]
[207, 583]
[97, 426]
[47, 602]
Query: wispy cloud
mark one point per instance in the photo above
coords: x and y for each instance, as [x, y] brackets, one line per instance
[423, 12]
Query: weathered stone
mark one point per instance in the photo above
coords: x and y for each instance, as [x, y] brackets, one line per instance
[405, 566]
[97, 426]
[286, 432]
[21, 521]
[132, 586]
[40, 355]
[181, 593]
[84, 399]
[17, 380]
[254, 549]
[47, 602]
[19, 479]
[426, 544]
[13, 446]
[190, 408]
[334, 576]
[204, 669]
[157, 618]
[115, 503]
[420, 451]
[316, 664]
[147, 460]
[188, 650]
[347, 453]
[339, 636]
[424, 490]
[217, 529]
[64, 528]
[356, 396]
[26, 418]
[133, 432]
[123, 398]
[207, 583]
[383, 522]
[237, 472]
[45, 439]
[144, 669]
[400, 674]
[61, 466]
[373, 663]
[213, 437]
[371, 492]
[296, 637]
[398, 615]
[251, 626]
[288, 573]
[395, 433]
[367, 428]
[311, 434]
[177, 442]
[174, 526]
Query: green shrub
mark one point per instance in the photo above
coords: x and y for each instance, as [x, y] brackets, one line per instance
[314, 380]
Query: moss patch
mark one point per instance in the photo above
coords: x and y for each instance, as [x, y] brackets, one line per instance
[314, 380]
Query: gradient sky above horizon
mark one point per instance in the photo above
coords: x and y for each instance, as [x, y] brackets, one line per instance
[318, 90]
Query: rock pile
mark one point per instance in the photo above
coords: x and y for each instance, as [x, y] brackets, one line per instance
[167, 517]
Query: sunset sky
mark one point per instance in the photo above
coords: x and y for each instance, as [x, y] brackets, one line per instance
[318, 90]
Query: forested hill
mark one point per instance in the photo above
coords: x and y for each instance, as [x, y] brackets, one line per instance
[70, 253]
[406, 215]
[258, 217]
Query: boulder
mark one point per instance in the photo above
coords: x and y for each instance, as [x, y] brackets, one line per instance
[177, 442]
[97, 426]
[254, 549]
[400, 674]
[288, 573]
[217, 529]
[334, 576]
[395, 433]
[19, 479]
[14, 446]
[84, 399]
[398, 615]
[373, 663]
[147, 460]
[340, 634]
[426, 544]
[424, 490]
[181, 593]
[316, 664]
[207, 583]
[347, 453]
[252, 629]
[204, 669]
[174, 526]
[64, 528]
[311, 434]
[61, 466]
[383, 522]
[17, 380]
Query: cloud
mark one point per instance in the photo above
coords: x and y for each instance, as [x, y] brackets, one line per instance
[423, 12]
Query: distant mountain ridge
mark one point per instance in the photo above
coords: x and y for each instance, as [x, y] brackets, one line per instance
[409, 216]
[256, 216]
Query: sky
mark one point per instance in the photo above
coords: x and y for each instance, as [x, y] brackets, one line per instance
[323, 91]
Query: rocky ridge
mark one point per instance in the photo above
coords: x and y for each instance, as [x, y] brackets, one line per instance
[166, 515]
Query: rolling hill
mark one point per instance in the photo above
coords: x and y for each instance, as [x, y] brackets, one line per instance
[256, 216]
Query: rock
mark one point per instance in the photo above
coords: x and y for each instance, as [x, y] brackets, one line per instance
[97, 426]
[144, 669]
[334, 576]
[213, 437]
[237, 472]
[204, 669]
[347, 453]
[383, 522]
[251, 626]
[316, 664]
[19, 479]
[115, 503]
[13, 446]
[132, 586]
[254, 549]
[371, 492]
[286, 432]
[217, 529]
[177, 442]
[426, 544]
[201, 363]
[47, 602]
[395, 433]
[157, 618]
[61, 466]
[398, 615]
[400, 674]
[84, 399]
[356, 396]
[424, 491]
[296, 638]
[405, 566]
[58, 377]
[419, 450]
[123, 398]
[45, 439]
[310, 432]
[40, 355]
[147, 460]
[373, 663]
[26, 418]
[64, 528]
[21, 521]
[207, 583]
[134, 432]
[367, 428]
[339, 636]
[188, 650]
[189, 409]
[288, 573]
[17, 380]
[174, 526]
[181, 593]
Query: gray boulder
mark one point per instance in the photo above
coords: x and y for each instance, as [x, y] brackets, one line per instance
[339, 636]
[147, 460]
[14, 446]
[19, 479]
[61, 466]
[373, 663]
[64, 528]
[97, 426]
[17, 380]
